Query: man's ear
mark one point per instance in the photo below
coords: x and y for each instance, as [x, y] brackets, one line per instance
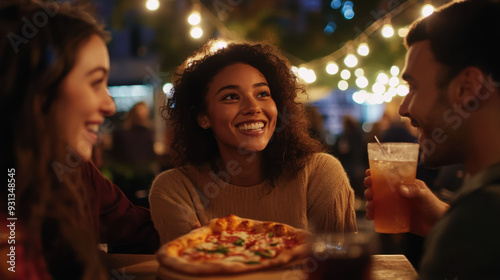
[203, 121]
[469, 86]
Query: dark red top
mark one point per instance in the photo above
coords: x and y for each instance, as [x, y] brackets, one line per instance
[117, 221]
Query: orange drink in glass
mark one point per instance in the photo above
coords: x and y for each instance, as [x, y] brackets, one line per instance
[391, 164]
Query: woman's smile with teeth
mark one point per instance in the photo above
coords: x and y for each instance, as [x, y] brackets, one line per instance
[93, 127]
[251, 126]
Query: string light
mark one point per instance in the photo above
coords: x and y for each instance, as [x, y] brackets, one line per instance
[387, 97]
[360, 96]
[394, 70]
[332, 68]
[307, 75]
[167, 89]
[403, 31]
[362, 82]
[343, 85]
[387, 31]
[345, 74]
[383, 78]
[350, 60]
[402, 90]
[152, 5]
[394, 81]
[375, 98]
[378, 88]
[196, 32]
[384, 88]
[363, 49]
[427, 10]
[194, 18]
[359, 72]
[392, 91]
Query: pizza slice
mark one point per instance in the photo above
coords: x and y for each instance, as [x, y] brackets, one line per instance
[232, 245]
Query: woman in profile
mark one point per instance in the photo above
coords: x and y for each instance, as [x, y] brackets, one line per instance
[53, 97]
[245, 149]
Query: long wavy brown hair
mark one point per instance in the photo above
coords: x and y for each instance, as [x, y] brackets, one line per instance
[50, 208]
[290, 145]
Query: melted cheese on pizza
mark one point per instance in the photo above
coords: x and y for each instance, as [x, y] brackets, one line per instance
[239, 246]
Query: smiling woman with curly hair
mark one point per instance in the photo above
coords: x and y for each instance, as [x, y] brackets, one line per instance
[244, 148]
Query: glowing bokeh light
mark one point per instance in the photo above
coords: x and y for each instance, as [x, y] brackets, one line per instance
[330, 28]
[402, 90]
[392, 91]
[343, 85]
[167, 89]
[375, 98]
[394, 81]
[349, 14]
[345, 74]
[351, 60]
[152, 5]
[402, 32]
[194, 18]
[383, 78]
[196, 32]
[387, 31]
[362, 82]
[387, 97]
[359, 72]
[427, 10]
[360, 96]
[363, 49]
[336, 4]
[394, 70]
[307, 75]
[378, 88]
[332, 68]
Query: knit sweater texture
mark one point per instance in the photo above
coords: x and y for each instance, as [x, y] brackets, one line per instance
[318, 198]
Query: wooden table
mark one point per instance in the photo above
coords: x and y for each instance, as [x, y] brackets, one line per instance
[145, 267]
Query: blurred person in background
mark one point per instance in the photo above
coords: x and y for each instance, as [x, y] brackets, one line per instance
[350, 148]
[53, 97]
[453, 74]
[133, 161]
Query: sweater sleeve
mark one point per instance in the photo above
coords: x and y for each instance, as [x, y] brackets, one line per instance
[172, 204]
[121, 223]
[330, 198]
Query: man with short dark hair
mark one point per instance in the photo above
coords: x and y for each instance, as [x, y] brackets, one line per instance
[453, 72]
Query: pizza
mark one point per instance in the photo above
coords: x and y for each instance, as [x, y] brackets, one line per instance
[232, 245]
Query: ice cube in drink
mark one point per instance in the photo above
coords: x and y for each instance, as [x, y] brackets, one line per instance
[397, 165]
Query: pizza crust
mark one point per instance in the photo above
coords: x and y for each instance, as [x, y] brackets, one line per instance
[168, 254]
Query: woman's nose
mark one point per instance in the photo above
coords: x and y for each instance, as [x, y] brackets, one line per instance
[108, 106]
[251, 106]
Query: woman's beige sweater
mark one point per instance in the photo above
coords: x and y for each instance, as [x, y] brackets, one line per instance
[318, 198]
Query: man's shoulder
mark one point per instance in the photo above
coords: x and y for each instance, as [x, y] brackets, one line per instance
[463, 243]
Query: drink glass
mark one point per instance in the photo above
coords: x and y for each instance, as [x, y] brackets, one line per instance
[395, 164]
[345, 256]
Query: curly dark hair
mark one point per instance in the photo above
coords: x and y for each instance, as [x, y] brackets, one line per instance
[291, 143]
